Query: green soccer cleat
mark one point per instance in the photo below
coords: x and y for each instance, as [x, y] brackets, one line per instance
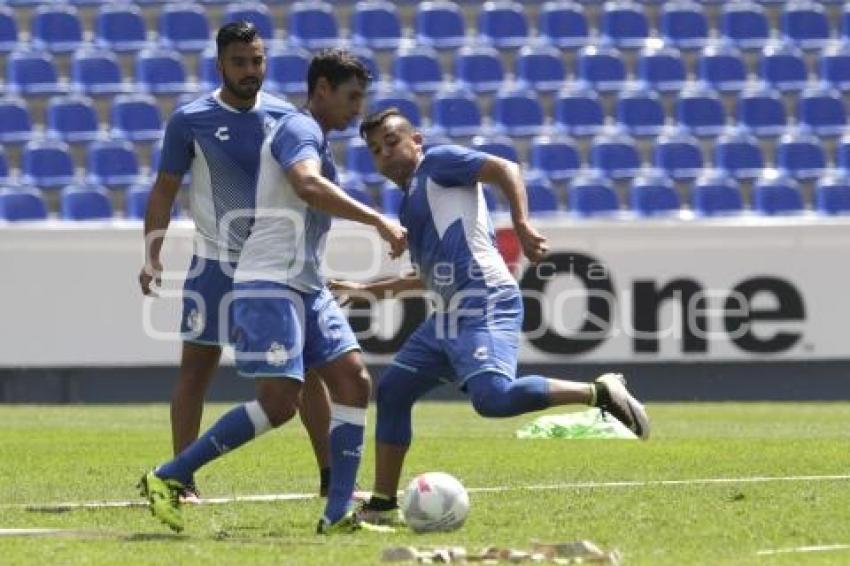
[349, 524]
[164, 498]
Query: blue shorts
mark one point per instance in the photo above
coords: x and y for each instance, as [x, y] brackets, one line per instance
[204, 291]
[278, 331]
[452, 347]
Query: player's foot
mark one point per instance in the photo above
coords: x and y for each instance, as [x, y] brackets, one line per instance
[350, 523]
[190, 494]
[380, 512]
[613, 398]
[163, 495]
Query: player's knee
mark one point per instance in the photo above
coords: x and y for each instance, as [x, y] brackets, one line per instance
[493, 399]
[393, 390]
[279, 408]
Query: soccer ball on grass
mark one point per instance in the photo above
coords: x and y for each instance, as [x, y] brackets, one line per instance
[435, 502]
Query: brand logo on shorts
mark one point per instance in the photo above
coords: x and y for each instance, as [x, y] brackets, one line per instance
[480, 353]
[195, 321]
[276, 356]
[222, 133]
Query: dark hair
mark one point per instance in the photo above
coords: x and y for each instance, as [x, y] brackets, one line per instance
[242, 31]
[337, 66]
[375, 119]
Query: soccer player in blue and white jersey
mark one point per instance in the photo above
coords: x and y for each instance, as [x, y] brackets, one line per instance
[218, 138]
[473, 336]
[285, 319]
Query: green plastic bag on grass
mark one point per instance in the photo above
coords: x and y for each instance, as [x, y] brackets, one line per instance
[592, 423]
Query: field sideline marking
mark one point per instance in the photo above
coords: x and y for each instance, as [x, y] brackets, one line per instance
[70, 506]
[801, 549]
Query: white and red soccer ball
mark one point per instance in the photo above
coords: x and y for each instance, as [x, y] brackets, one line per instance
[435, 502]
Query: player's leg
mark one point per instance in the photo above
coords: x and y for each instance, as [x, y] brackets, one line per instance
[315, 413]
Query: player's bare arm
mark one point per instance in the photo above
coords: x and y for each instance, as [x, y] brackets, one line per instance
[381, 289]
[157, 219]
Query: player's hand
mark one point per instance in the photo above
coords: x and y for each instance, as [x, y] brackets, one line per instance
[345, 291]
[150, 277]
[533, 243]
[395, 235]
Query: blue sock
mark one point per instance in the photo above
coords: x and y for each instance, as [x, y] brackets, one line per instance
[232, 430]
[347, 424]
[496, 395]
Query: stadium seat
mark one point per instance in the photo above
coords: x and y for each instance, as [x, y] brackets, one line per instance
[556, 157]
[602, 67]
[491, 197]
[722, 66]
[97, 72]
[563, 24]
[540, 68]
[22, 203]
[479, 68]
[387, 97]
[286, 69]
[745, 24]
[822, 109]
[639, 110]
[354, 187]
[801, 153]
[806, 24]
[184, 26]
[739, 153]
[417, 68]
[455, 111]
[700, 109]
[47, 164]
[255, 12]
[624, 24]
[662, 68]
[120, 27]
[678, 153]
[500, 146]
[15, 121]
[716, 194]
[614, 152]
[391, 197]
[842, 151]
[56, 27]
[776, 193]
[4, 167]
[503, 24]
[208, 78]
[835, 65]
[652, 193]
[541, 196]
[161, 71]
[136, 202]
[517, 112]
[85, 202]
[31, 72]
[683, 24]
[761, 109]
[8, 29]
[440, 24]
[832, 193]
[358, 161]
[312, 25]
[367, 57]
[376, 24]
[136, 117]
[72, 119]
[112, 163]
[783, 66]
[578, 110]
[592, 194]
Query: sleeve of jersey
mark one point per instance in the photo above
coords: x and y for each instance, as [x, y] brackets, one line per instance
[455, 166]
[299, 139]
[178, 148]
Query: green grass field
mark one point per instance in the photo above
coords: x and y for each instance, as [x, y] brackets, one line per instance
[94, 453]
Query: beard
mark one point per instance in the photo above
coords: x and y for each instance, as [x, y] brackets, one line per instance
[242, 91]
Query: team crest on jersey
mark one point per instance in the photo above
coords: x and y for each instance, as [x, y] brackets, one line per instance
[276, 355]
[222, 133]
[268, 124]
[480, 353]
[195, 321]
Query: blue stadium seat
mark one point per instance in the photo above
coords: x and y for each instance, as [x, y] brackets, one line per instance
[639, 110]
[136, 117]
[842, 151]
[624, 24]
[578, 110]
[367, 57]
[541, 196]
[700, 109]
[57, 28]
[716, 194]
[72, 118]
[255, 12]
[184, 26]
[354, 187]
[592, 194]
[358, 161]
[503, 24]
[614, 152]
[391, 197]
[602, 67]
[15, 120]
[387, 97]
[739, 153]
[744, 23]
[500, 146]
[683, 24]
[835, 65]
[4, 167]
[491, 197]
[161, 71]
[96, 72]
[806, 23]
[312, 25]
[541, 68]
[832, 193]
[32, 72]
[776, 193]
[556, 157]
[112, 163]
[208, 78]
[563, 24]
[440, 24]
[376, 24]
[662, 68]
[783, 66]
[678, 153]
[8, 29]
[822, 109]
[85, 202]
[801, 153]
[761, 109]
[652, 193]
[417, 68]
[455, 111]
[479, 68]
[47, 164]
[22, 203]
[286, 69]
[722, 66]
[120, 27]
[517, 112]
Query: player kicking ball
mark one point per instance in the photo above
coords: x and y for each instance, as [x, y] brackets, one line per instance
[472, 338]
